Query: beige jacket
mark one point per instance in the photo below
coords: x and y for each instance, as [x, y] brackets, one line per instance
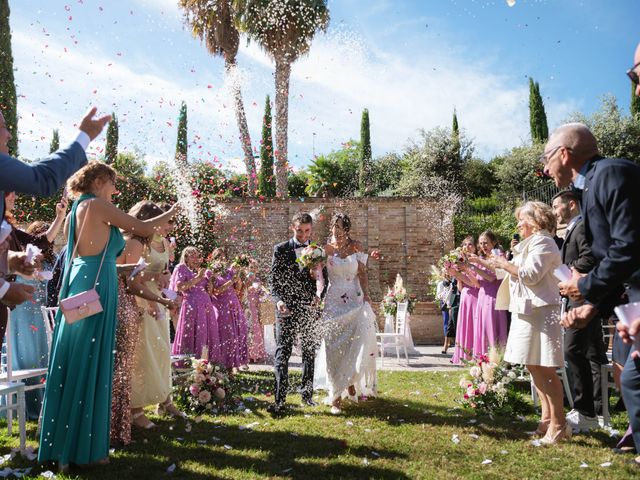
[536, 257]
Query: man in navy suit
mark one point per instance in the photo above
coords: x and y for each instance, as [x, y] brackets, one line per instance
[297, 311]
[41, 178]
[611, 213]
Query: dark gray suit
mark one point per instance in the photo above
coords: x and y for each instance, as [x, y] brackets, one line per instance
[584, 350]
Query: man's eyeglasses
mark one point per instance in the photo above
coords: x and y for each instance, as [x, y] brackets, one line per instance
[633, 75]
[544, 158]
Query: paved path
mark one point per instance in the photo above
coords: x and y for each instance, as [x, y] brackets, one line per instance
[428, 359]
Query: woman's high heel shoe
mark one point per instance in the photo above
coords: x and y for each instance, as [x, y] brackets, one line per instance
[541, 429]
[145, 423]
[563, 433]
[168, 408]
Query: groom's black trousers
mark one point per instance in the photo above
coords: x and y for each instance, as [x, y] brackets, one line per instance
[303, 323]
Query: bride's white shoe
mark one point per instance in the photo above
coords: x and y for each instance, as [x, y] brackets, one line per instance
[335, 410]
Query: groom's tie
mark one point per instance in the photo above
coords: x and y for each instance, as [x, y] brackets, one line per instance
[300, 245]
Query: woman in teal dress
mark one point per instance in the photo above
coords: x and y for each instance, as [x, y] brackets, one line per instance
[77, 399]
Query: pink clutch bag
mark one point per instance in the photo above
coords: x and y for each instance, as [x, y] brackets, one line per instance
[81, 306]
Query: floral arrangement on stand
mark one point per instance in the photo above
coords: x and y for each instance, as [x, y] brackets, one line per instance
[207, 389]
[488, 386]
[397, 294]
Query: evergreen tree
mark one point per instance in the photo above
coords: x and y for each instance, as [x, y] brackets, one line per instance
[111, 148]
[364, 174]
[537, 114]
[455, 135]
[635, 102]
[266, 178]
[55, 141]
[455, 129]
[8, 102]
[182, 143]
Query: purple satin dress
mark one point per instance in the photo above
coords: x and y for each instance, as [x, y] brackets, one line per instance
[198, 319]
[491, 326]
[466, 324]
[232, 324]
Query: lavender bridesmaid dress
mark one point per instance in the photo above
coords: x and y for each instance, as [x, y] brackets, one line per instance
[197, 322]
[466, 324]
[491, 324]
[232, 324]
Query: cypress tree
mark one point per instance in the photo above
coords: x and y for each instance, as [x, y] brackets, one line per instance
[635, 102]
[182, 143]
[537, 114]
[455, 137]
[8, 101]
[55, 142]
[455, 129]
[266, 178]
[364, 177]
[111, 148]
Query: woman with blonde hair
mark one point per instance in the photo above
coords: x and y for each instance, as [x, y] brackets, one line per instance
[77, 399]
[535, 337]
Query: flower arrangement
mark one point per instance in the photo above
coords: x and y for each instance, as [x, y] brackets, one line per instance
[395, 295]
[204, 389]
[312, 256]
[488, 387]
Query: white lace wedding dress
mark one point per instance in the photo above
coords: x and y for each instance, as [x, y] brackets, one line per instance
[348, 352]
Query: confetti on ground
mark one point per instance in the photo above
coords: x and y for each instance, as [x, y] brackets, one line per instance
[584, 465]
[487, 461]
[172, 468]
[606, 464]
[455, 439]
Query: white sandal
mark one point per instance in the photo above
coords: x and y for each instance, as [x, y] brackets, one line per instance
[149, 425]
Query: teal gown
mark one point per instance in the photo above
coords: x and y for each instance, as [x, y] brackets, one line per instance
[77, 398]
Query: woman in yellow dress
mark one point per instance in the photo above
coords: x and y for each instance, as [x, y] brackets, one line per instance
[151, 378]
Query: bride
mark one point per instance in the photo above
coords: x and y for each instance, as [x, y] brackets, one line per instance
[348, 321]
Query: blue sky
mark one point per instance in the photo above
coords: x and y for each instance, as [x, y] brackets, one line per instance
[409, 62]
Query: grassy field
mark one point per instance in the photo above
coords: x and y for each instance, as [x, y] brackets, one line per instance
[407, 432]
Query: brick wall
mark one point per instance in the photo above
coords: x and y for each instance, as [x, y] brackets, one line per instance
[410, 233]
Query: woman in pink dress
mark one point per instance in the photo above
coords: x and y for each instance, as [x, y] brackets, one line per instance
[492, 323]
[255, 293]
[197, 321]
[232, 324]
[468, 282]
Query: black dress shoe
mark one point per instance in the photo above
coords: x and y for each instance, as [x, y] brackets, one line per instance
[309, 402]
[276, 408]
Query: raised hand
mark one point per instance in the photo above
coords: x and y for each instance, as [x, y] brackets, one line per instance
[61, 206]
[93, 126]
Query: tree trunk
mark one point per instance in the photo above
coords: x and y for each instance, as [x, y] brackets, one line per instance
[283, 72]
[245, 138]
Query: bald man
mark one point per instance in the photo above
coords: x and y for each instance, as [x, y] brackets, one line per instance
[611, 212]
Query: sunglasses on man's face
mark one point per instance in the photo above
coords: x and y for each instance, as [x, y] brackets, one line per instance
[633, 75]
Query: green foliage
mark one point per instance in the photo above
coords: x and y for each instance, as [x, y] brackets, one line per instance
[335, 174]
[455, 128]
[182, 144]
[8, 100]
[266, 178]
[501, 222]
[297, 183]
[111, 147]
[537, 114]
[519, 171]
[434, 164]
[365, 186]
[386, 172]
[618, 135]
[55, 141]
[635, 102]
[479, 178]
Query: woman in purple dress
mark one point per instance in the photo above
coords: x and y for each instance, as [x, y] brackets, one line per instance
[492, 323]
[468, 301]
[232, 324]
[197, 327]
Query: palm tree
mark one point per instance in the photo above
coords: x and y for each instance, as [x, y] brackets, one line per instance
[284, 29]
[214, 22]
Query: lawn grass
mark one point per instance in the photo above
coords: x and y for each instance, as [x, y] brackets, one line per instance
[404, 433]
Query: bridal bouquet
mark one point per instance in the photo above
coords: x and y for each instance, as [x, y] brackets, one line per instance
[312, 256]
[204, 390]
[452, 259]
[487, 388]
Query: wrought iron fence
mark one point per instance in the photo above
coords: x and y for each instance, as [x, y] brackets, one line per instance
[544, 193]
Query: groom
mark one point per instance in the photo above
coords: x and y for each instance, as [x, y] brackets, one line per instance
[297, 311]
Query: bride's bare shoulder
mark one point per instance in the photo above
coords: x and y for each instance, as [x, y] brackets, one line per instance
[329, 249]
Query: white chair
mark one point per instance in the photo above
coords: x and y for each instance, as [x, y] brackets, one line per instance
[49, 317]
[397, 337]
[8, 389]
[606, 370]
[565, 382]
